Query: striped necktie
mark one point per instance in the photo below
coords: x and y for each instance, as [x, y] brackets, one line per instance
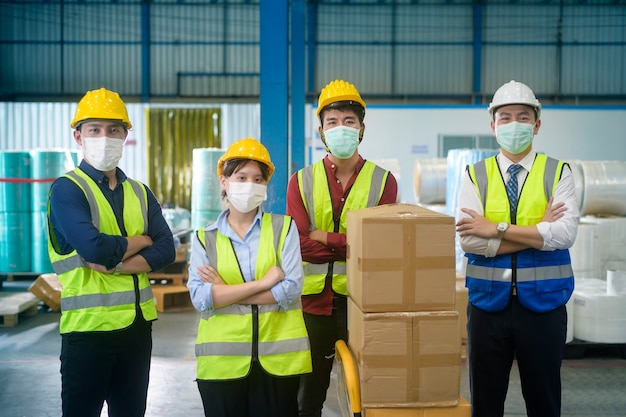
[511, 187]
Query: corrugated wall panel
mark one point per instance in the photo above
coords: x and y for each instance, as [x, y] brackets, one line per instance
[434, 53]
[436, 70]
[520, 44]
[102, 47]
[403, 47]
[594, 56]
[47, 126]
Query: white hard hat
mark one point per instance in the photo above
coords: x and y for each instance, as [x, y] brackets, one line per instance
[514, 92]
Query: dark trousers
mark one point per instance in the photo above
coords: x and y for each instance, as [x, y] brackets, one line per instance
[257, 395]
[106, 366]
[536, 340]
[324, 331]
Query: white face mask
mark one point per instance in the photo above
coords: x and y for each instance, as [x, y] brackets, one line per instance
[515, 137]
[246, 196]
[342, 141]
[103, 153]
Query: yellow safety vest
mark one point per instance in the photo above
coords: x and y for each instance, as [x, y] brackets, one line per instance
[230, 337]
[315, 193]
[95, 301]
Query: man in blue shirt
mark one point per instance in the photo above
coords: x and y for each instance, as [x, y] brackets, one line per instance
[106, 232]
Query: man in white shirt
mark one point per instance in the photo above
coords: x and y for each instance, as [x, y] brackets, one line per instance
[518, 216]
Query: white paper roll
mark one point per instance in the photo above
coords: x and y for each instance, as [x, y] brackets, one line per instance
[599, 317]
[429, 180]
[610, 242]
[585, 252]
[604, 185]
[615, 282]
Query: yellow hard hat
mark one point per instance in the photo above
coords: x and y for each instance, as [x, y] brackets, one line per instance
[338, 91]
[248, 148]
[514, 92]
[101, 104]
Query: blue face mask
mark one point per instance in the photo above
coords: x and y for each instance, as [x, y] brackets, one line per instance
[342, 141]
[515, 137]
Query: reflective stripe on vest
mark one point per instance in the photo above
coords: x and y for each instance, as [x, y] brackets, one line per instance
[230, 337]
[94, 301]
[544, 279]
[314, 190]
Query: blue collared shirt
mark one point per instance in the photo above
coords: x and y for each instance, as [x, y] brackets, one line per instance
[73, 226]
[285, 292]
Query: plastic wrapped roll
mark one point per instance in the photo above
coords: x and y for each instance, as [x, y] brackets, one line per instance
[602, 186]
[429, 180]
[585, 252]
[15, 242]
[610, 242]
[615, 282]
[40, 260]
[14, 185]
[205, 184]
[599, 317]
[457, 160]
[46, 166]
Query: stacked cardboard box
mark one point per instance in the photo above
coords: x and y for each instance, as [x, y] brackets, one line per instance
[48, 289]
[402, 323]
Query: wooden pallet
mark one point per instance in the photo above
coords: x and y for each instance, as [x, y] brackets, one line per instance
[170, 298]
[14, 305]
[158, 279]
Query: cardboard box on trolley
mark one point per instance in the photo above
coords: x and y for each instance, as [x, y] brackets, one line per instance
[401, 257]
[406, 359]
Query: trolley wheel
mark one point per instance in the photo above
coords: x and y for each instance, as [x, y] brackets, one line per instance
[348, 390]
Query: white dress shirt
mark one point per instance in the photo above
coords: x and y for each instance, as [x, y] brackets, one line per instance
[560, 234]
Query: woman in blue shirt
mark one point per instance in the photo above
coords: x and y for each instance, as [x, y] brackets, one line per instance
[246, 277]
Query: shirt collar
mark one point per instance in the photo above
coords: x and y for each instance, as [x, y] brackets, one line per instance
[222, 225]
[526, 162]
[330, 165]
[98, 176]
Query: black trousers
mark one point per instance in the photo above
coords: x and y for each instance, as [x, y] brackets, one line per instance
[257, 395]
[106, 366]
[324, 331]
[536, 340]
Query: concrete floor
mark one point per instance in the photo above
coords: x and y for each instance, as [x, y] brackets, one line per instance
[30, 383]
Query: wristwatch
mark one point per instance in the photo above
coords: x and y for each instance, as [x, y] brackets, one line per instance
[118, 269]
[502, 227]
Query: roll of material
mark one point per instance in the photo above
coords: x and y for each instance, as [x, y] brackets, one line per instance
[615, 282]
[601, 186]
[610, 242]
[585, 252]
[15, 242]
[599, 317]
[205, 185]
[47, 165]
[14, 185]
[429, 180]
[457, 161]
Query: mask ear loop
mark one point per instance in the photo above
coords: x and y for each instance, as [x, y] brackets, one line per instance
[323, 137]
